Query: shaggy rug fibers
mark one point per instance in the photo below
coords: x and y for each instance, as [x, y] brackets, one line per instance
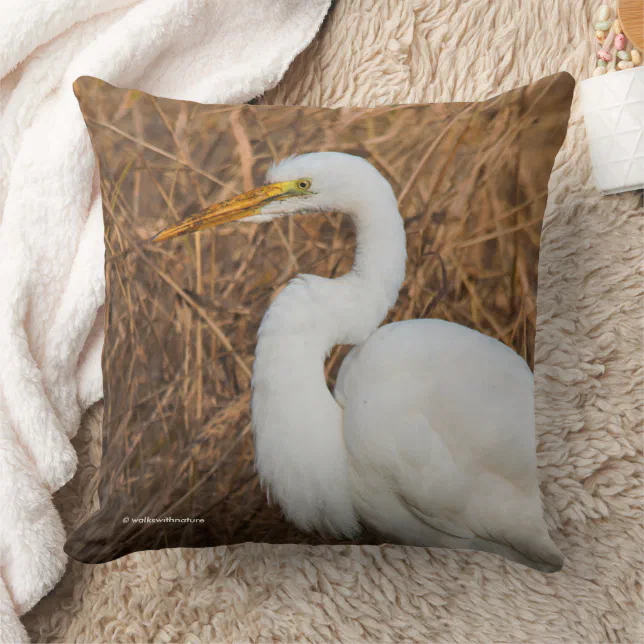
[589, 399]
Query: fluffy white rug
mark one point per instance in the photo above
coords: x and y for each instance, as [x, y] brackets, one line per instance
[589, 394]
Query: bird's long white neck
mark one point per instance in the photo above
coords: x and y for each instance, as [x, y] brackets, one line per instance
[297, 424]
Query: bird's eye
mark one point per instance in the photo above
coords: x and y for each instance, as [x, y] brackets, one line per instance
[303, 184]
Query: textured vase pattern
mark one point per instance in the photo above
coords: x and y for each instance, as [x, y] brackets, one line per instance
[613, 107]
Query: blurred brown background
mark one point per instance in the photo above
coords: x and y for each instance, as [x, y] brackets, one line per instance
[182, 318]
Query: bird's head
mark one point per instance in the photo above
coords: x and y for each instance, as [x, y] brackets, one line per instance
[309, 183]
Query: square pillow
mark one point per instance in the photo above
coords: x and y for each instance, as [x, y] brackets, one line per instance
[320, 323]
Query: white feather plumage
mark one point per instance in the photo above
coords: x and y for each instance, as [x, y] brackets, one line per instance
[429, 437]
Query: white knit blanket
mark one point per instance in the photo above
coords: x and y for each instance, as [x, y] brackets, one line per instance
[51, 227]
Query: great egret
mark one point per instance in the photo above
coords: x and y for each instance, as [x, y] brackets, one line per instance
[429, 436]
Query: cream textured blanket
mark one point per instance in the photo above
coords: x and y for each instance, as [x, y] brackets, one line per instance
[51, 242]
[589, 394]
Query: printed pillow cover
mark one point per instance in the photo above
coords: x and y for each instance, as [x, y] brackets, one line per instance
[320, 323]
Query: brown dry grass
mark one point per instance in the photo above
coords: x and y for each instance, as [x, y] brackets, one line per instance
[183, 315]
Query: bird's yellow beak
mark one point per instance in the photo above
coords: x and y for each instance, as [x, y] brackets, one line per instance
[239, 207]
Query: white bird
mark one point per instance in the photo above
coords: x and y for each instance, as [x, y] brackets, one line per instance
[429, 436]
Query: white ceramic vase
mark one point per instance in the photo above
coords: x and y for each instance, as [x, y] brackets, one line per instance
[613, 106]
